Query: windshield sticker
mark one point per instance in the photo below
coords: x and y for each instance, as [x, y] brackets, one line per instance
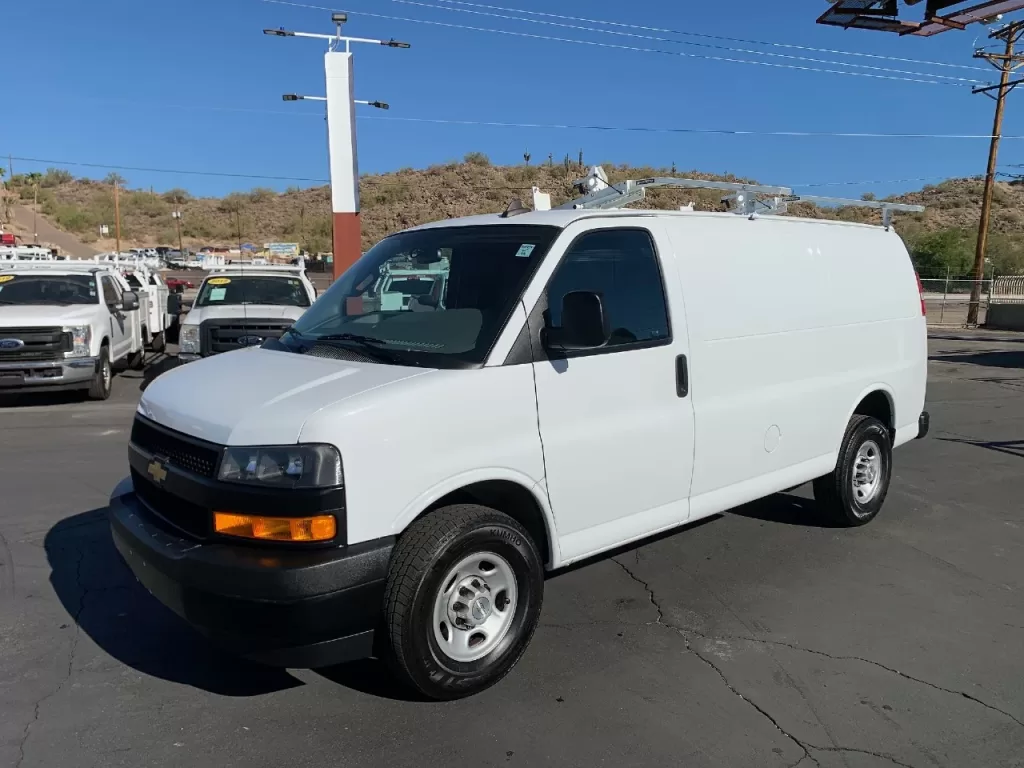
[6, 278]
[525, 250]
[217, 294]
[219, 280]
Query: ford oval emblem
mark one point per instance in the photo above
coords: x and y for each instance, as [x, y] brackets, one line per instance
[249, 341]
[8, 344]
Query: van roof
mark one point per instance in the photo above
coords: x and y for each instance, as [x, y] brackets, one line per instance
[562, 218]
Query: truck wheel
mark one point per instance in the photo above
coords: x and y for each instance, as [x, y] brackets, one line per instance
[463, 599]
[158, 343]
[102, 380]
[853, 493]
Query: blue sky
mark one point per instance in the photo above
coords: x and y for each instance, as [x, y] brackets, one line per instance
[156, 84]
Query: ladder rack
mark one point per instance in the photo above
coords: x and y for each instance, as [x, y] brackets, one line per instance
[744, 199]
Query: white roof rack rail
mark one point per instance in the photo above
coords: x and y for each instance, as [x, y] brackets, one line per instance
[293, 268]
[744, 199]
[56, 266]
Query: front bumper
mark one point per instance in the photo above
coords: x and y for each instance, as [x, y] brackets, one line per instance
[279, 606]
[74, 373]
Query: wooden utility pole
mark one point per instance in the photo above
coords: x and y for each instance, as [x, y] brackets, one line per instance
[177, 220]
[117, 216]
[35, 214]
[1007, 63]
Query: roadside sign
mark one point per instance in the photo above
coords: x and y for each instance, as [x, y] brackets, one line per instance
[285, 250]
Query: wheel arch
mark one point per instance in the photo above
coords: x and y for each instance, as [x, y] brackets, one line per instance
[878, 401]
[509, 492]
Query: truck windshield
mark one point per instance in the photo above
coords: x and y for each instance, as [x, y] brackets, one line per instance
[23, 289]
[253, 289]
[433, 297]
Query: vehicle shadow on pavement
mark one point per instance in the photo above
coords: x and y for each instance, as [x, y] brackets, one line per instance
[1009, 447]
[28, 399]
[103, 597]
[786, 509]
[990, 359]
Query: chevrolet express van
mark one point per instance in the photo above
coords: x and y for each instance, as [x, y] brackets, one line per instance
[396, 482]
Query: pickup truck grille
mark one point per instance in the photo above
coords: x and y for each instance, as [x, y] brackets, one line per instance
[38, 345]
[218, 336]
[188, 453]
[183, 515]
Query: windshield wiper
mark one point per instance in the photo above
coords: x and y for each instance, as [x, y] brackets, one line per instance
[349, 337]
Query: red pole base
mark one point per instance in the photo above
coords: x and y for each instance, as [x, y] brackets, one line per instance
[347, 242]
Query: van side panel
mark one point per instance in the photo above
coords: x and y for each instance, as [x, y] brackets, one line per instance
[791, 323]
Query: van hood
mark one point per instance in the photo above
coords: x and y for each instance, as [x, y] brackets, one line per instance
[13, 316]
[258, 396]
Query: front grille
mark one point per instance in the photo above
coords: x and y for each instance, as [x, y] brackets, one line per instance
[223, 335]
[188, 453]
[183, 515]
[40, 345]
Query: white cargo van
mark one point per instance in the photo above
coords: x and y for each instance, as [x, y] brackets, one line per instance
[396, 482]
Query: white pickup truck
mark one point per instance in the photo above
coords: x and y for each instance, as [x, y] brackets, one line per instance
[153, 292]
[63, 326]
[242, 306]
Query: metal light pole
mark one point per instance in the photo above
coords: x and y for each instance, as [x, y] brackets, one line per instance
[341, 135]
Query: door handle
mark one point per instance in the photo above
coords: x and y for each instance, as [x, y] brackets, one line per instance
[682, 376]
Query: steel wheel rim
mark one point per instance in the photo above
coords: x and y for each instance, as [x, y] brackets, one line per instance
[106, 375]
[867, 472]
[474, 606]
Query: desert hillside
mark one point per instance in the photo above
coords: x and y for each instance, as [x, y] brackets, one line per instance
[941, 236]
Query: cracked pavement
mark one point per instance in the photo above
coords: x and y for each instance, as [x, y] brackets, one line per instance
[759, 638]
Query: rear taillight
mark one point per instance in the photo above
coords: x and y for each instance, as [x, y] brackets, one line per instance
[920, 292]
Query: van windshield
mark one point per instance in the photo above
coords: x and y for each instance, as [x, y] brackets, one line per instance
[433, 297]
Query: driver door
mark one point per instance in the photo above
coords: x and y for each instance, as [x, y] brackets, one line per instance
[120, 323]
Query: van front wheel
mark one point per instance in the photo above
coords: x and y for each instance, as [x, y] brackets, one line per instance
[463, 600]
[853, 493]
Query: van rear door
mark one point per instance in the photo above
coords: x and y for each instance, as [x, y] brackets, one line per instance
[616, 422]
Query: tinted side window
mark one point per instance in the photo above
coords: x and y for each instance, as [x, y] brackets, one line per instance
[622, 266]
[111, 294]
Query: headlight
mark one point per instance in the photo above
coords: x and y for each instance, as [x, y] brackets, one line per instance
[188, 340]
[287, 466]
[81, 339]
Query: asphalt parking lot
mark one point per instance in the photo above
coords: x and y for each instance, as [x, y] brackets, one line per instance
[758, 638]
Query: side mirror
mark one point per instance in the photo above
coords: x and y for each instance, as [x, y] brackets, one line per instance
[129, 301]
[584, 323]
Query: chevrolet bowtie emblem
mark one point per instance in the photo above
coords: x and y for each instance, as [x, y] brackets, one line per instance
[157, 472]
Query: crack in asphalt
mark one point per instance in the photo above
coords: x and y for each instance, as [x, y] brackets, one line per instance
[83, 591]
[711, 665]
[805, 746]
[880, 755]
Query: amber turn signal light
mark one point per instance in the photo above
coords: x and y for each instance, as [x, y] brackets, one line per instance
[319, 528]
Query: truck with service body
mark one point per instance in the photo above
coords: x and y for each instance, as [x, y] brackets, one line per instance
[238, 306]
[397, 482]
[65, 325]
[154, 296]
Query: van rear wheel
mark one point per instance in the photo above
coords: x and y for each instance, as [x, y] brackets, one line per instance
[463, 600]
[853, 493]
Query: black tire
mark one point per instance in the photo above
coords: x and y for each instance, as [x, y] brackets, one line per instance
[102, 380]
[835, 492]
[158, 343]
[423, 557]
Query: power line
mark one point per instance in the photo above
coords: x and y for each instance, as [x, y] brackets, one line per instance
[618, 46]
[697, 131]
[709, 46]
[723, 38]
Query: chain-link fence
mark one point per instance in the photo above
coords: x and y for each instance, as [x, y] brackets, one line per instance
[947, 300]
